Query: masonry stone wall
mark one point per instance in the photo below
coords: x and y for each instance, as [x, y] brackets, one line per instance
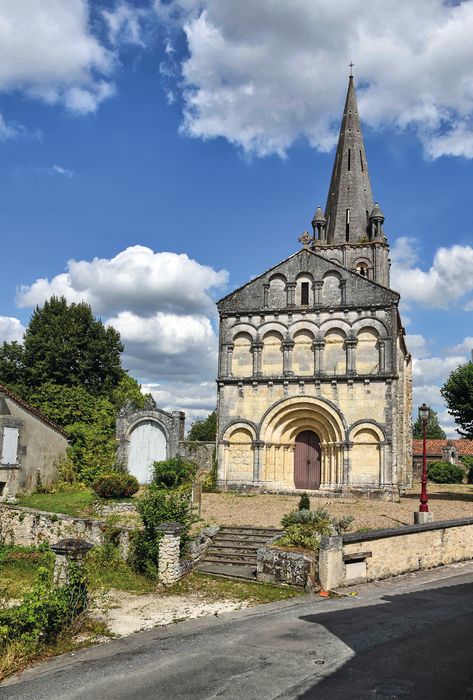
[201, 453]
[29, 527]
[380, 554]
[282, 567]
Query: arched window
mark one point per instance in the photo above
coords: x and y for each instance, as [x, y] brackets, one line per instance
[303, 354]
[272, 354]
[367, 351]
[334, 361]
[242, 360]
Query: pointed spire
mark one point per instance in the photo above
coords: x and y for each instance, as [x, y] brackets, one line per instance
[349, 200]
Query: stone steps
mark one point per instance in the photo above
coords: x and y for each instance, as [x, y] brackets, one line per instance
[233, 552]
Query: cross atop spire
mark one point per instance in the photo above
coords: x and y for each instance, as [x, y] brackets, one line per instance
[351, 69]
[349, 201]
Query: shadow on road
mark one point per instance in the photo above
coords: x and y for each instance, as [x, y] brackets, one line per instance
[415, 645]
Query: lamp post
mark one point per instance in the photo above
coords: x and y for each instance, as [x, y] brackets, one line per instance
[424, 415]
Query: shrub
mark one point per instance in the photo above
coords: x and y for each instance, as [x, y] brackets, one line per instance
[173, 472]
[445, 473]
[304, 503]
[116, 485]
[156, 506]
[467, 462]
[304, 528]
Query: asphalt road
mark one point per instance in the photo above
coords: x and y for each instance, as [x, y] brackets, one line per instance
[409, 637]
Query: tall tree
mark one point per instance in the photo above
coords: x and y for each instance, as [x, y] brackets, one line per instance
[11, 364]
[433, 429]
[204, 430]
[64, 344]
[458, 393]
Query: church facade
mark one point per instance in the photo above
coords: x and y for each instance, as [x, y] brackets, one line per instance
[314, 384]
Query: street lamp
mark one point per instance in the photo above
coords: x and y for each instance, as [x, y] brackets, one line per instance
[424, 415]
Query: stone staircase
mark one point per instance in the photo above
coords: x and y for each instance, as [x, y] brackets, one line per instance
[233, 551]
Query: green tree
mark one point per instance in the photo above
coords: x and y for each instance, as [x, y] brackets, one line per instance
[433, 429]
[12, 365]
[204, 430]
[64, 344]
[458, 393]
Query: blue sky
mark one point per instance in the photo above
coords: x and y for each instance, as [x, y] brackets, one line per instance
[205, 130]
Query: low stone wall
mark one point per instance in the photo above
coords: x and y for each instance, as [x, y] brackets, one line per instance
[29, 527]
[360, 557]
[283, 567]
[201, 453]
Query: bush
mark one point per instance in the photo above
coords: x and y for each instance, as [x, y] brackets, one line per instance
[467, 462]
[445, 473]
[304, 503]
[173, 472]
[304, 528]
[157, 506]
[116, 485]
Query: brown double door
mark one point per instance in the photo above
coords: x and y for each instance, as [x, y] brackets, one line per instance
[307, 461]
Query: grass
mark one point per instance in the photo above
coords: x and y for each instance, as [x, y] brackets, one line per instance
[18, 568]
[76, 503]
[106, 570]
[214, 589]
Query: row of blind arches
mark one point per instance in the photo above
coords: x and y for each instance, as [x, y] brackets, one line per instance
[303, 355]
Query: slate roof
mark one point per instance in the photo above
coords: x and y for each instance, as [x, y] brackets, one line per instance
[31, 409]
[434, 447]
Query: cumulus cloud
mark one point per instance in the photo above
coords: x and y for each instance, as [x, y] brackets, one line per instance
[126, 24]
[449, 278]
[49, 51]
[10, 329]
[162, 306]
[196, 399]
[137, 280]
[264, 74]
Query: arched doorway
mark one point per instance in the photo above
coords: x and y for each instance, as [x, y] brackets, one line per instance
[147, 445]
[307, 461]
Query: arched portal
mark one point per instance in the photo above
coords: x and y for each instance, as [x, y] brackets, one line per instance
[307, 460]
[147, 445]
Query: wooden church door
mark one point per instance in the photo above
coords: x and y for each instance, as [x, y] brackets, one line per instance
[307, 461]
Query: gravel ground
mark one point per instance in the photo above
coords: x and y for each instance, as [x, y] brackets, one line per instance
[266, 510]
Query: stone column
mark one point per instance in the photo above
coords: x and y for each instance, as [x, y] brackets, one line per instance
[350, 345]
[222, 461]
[228, 371]
[257, 350]
[318, 356]
[382, 356]
[266, 295]
[291, 293]
[169, 566]
[343, 291]
[317, 287]
[287, 358]
[346, 463]
[331, 568]
[258, 447]
[67, 552]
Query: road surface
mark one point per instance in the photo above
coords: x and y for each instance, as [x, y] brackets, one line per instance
[410, 637]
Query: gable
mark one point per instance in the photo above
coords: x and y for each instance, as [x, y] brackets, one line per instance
[269, 289]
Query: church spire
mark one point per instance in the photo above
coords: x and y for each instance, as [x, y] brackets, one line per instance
[349, 201]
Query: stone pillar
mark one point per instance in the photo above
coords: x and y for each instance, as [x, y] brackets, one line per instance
[258, 447]
[343, 291]
[222, 461]
[257, 350]
[266, 295]
[287, 358]
[346, 463]
[331, 567]
[291, 293]
[318, 356]
[350, 345]
[67, 552]
[382, 355]
[228, 371]
[169, 566]
[317, 287]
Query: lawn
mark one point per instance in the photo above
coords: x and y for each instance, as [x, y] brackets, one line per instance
[77, 503]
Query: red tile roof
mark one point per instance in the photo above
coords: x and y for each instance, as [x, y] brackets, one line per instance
[434, 447]
[34, 411]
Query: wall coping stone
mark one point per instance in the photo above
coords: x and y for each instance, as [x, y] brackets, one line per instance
[406, 530]
[63, 516]
[170, 528]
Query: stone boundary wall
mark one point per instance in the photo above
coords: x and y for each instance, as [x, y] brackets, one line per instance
[285, 568]
[201, 453]
[370, 556]
[29, 528]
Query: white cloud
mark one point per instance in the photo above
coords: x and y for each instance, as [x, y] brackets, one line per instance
[49, 51]
[137, 280]
[167, 346]
[196, 399]
[448, 280]
[125, 24]
[417, 345]
[262, 74]
[466, 346]
[64, 172]
[10, 329]
[434, 369]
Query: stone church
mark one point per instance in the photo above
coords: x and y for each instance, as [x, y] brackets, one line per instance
[314, 385]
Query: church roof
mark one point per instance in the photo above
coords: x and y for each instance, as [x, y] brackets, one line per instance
[350, 199]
